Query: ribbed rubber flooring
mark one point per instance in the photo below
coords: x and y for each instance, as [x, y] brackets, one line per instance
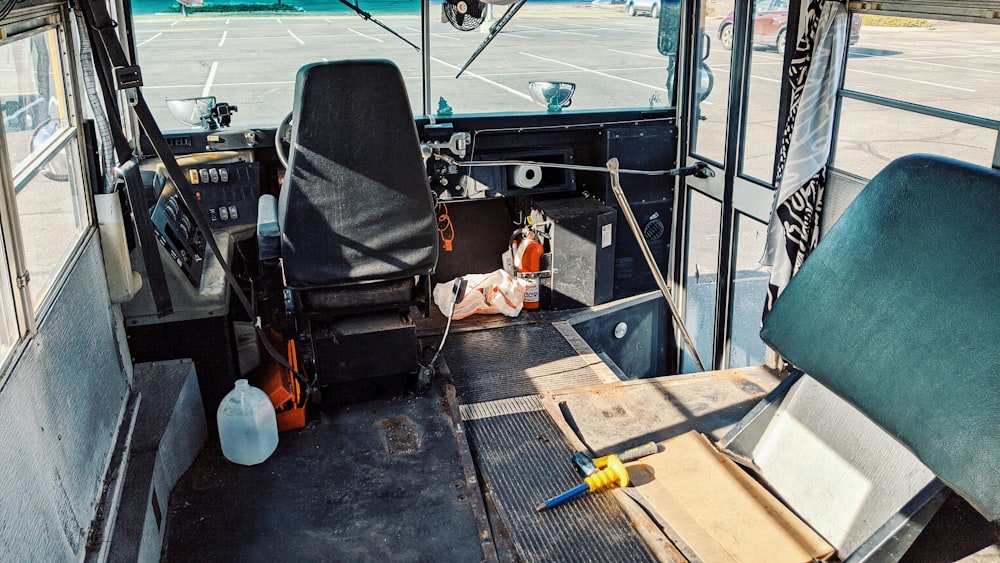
[524, 460]
[514, 361]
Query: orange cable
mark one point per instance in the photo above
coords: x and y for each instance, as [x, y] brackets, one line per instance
[446, 230]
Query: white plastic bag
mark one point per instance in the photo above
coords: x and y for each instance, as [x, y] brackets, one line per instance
[496, 292]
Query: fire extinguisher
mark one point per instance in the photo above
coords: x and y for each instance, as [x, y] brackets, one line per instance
[527, 252]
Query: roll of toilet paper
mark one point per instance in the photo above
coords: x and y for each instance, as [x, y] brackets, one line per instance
[526, 176]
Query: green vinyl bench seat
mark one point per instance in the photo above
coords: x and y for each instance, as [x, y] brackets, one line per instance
[897, 311]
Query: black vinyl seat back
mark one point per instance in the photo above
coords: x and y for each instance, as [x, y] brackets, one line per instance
[355, 206]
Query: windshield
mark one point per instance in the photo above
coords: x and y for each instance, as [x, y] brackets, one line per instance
[247, 54]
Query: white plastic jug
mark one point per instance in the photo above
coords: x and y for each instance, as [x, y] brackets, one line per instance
[248, 427]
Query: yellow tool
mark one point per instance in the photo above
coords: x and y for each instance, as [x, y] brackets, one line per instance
[587, 466]
[614, 474]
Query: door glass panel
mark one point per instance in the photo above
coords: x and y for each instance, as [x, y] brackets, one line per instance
[708, 131]
[748, 293]
[764, 89]
[702, 279]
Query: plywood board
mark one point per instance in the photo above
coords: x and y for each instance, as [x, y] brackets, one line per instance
[611, 418]
[717, 510]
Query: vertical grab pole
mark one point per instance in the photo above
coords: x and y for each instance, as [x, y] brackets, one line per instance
[616, 187]
[425, 56]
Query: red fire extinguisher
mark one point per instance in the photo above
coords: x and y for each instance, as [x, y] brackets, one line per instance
[527, 252]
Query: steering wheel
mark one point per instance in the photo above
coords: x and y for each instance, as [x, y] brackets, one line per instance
[283, 140]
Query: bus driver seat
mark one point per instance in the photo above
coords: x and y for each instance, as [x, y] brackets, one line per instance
[355, 227]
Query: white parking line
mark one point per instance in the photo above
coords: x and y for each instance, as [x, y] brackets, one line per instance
[175, 23]
[219, 85]
[549, 30]
[975, 56]
[223, 40]
[725, 69]
[633, 30]
[365, 36]
[911, 80]
[440, 35]
[910, 47]
[296, 37]
[211, 78]
[486, 80]
[227, 21]
[923, 62]
[597, 72]
[657, 57]
[148, 40]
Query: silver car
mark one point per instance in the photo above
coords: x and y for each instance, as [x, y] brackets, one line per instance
[635, 7]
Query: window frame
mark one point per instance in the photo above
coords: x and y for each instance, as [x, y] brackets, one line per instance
[20, 315]
[843, 93]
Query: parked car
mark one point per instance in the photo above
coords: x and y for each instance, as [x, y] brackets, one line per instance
[769, 24]
[635, 7]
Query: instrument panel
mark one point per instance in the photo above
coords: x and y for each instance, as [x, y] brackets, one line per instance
[226, 193]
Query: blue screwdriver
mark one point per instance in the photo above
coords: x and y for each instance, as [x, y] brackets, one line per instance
[614, 474]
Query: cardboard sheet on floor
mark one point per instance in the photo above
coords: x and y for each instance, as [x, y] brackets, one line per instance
[716, 510]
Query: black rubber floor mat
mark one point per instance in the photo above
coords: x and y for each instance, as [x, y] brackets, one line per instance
[377, 481]
[514, 361]
[525, 460]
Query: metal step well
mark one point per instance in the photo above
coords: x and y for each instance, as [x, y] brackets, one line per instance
[524, 460]
[514, 361]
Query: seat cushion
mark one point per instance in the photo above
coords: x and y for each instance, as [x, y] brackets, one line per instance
[898, 312]
[361, 297]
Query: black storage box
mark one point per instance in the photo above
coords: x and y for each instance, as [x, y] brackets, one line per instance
[358, 347]
[580, 236]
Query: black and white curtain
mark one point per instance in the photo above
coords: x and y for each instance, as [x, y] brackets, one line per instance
[805, 148]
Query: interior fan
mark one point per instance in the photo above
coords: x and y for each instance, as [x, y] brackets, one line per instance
[465, 15]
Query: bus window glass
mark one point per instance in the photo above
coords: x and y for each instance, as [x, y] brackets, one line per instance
[872, 136]
[249, 59]
[34, 104]
[607, 49]
[702, 280]
[749, 290]
[41, 140]
[945, 65]
[708, 135]
[52, 220]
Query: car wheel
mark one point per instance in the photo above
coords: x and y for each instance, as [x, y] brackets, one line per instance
[726, 37]
[780, 43]
[655, 12]
[630, 9]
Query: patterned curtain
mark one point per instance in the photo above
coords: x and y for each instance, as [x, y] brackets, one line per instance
[805, 148]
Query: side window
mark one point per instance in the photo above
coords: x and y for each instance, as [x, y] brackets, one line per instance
[918, 85]
[44, 213]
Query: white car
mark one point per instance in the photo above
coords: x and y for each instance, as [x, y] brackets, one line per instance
[635, 7]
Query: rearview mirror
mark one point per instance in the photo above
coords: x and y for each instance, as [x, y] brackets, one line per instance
[668, 34]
